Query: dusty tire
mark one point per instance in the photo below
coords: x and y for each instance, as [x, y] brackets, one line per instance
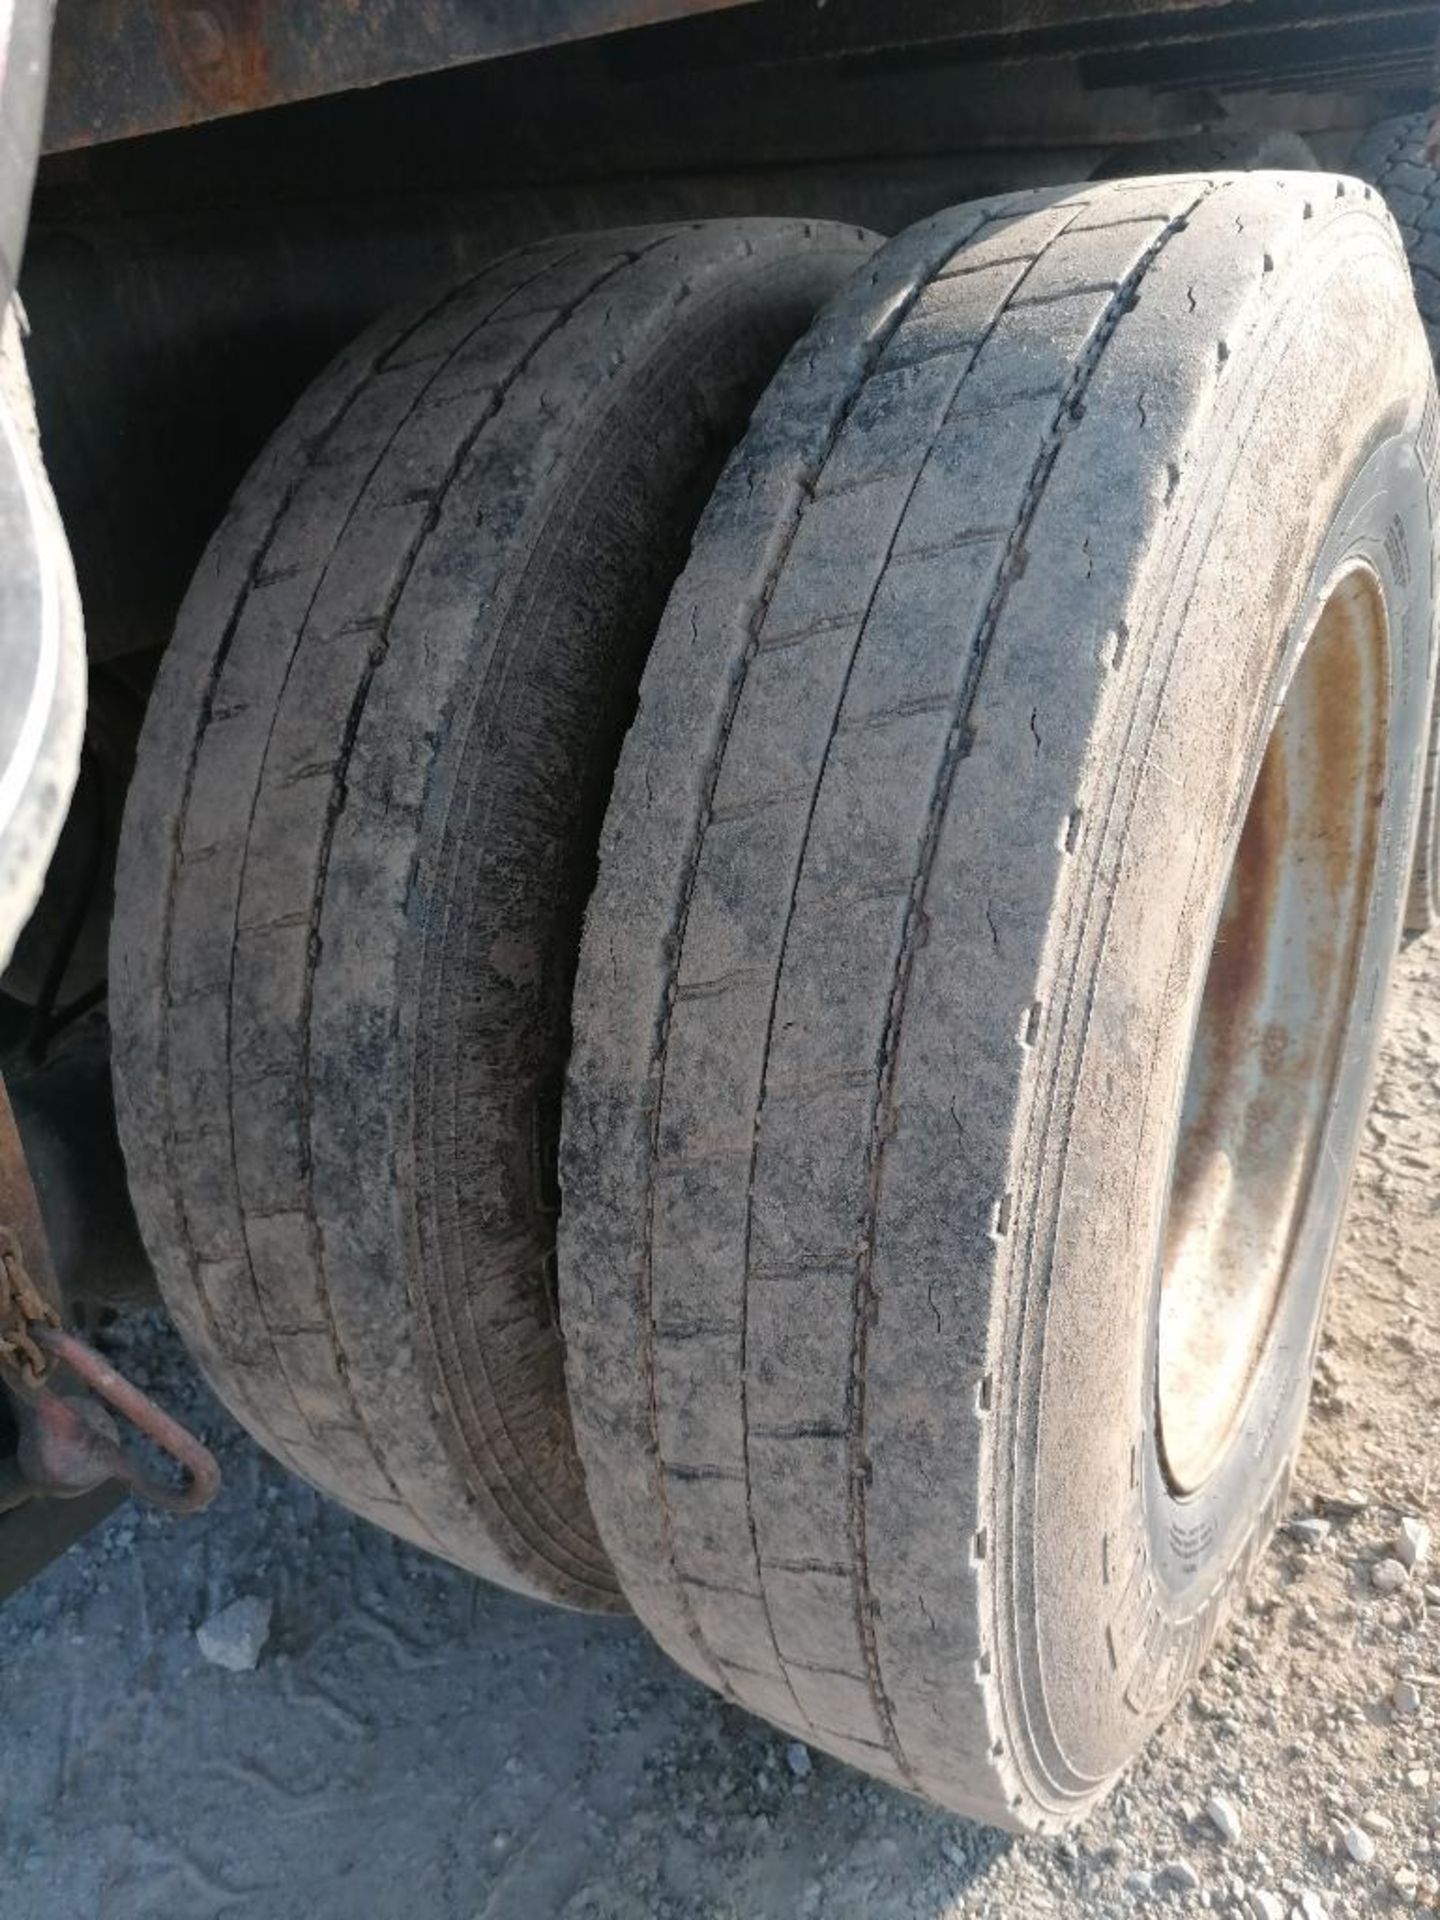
[907, 892]
[358, 842]
[1237, 149]
[1392, 157]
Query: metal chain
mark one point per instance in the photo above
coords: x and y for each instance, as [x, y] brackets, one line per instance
[22, 1306]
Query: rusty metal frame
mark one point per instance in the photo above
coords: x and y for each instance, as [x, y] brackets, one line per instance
[122, 68]
[125, 67]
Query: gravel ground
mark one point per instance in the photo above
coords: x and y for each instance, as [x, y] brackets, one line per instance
[412, 1743]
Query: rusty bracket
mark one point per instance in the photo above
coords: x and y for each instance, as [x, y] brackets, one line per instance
[68, 1443]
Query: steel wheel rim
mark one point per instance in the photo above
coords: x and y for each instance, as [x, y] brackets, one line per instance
[1269, 1037]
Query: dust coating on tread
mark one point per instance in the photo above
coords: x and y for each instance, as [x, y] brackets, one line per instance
[754, 1564]
[266, 1188]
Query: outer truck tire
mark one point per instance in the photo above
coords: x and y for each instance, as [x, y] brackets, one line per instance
[979, 1000]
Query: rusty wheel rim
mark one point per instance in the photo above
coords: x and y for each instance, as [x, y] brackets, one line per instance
[1270, 1033]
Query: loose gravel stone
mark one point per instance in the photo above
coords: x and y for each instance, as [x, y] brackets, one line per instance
[797, 1759]
[1180, 1875]
[1388, 1576]
[1310, 1531]
[1265, 1906]
[1412, 1543]
[1223, 1816]
[234, 1638]
[1358, 1844]
[1405, 1881]
[1406, 1698]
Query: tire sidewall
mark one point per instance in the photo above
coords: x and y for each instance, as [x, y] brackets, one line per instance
[1383, 519]
[1115, 1588]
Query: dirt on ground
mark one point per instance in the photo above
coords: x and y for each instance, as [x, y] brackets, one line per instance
[415, 1746]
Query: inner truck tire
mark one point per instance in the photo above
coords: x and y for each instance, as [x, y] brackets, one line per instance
[978, 1004]
[1393, 157]
[359, 839]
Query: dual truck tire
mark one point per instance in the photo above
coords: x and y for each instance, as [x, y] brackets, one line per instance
[981, 982]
